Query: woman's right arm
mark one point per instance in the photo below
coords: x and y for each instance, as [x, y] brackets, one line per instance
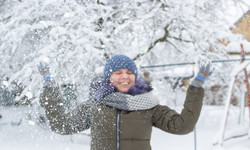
[64, 123]
[52, 101]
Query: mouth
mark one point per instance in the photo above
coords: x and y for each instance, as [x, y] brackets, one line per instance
[124, 83]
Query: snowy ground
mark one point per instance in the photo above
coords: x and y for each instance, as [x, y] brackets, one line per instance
[19, 131]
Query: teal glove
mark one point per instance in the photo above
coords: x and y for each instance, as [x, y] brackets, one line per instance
[205, 70]
[48, 80]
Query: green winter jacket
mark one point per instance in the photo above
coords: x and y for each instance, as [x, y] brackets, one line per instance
[113, 129]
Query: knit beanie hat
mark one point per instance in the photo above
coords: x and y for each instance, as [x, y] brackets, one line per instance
[119, 62]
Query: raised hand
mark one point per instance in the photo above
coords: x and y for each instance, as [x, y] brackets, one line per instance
[205, 70]
[43, 68]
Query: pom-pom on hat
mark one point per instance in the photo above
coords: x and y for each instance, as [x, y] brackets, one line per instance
[117, 62]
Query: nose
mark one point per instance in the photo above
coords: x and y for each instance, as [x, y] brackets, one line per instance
[124, 76]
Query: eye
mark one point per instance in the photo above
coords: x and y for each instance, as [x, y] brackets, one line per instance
[129, 72]
[118, 72]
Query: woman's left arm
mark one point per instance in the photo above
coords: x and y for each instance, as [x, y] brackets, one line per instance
[183, 123]
[170, 121]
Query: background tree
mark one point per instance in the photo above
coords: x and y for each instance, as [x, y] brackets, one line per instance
[76, 37]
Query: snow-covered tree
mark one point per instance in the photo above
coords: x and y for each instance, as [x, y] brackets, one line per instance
[76, 37]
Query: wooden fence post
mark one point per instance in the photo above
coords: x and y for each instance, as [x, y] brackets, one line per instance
[246, 81]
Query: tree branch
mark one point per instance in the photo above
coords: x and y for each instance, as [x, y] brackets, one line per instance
[2, 2]
[179, 39]
[162, 39]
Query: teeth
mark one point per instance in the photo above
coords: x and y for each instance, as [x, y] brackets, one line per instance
[124, 83]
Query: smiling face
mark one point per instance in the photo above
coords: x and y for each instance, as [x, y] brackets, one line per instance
[123, 80]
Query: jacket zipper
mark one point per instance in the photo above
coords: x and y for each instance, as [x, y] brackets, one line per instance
[118, 130]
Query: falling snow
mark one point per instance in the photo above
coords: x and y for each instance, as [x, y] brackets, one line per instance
[75, 38]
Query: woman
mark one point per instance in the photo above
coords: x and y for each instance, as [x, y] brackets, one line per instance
[122, 109]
